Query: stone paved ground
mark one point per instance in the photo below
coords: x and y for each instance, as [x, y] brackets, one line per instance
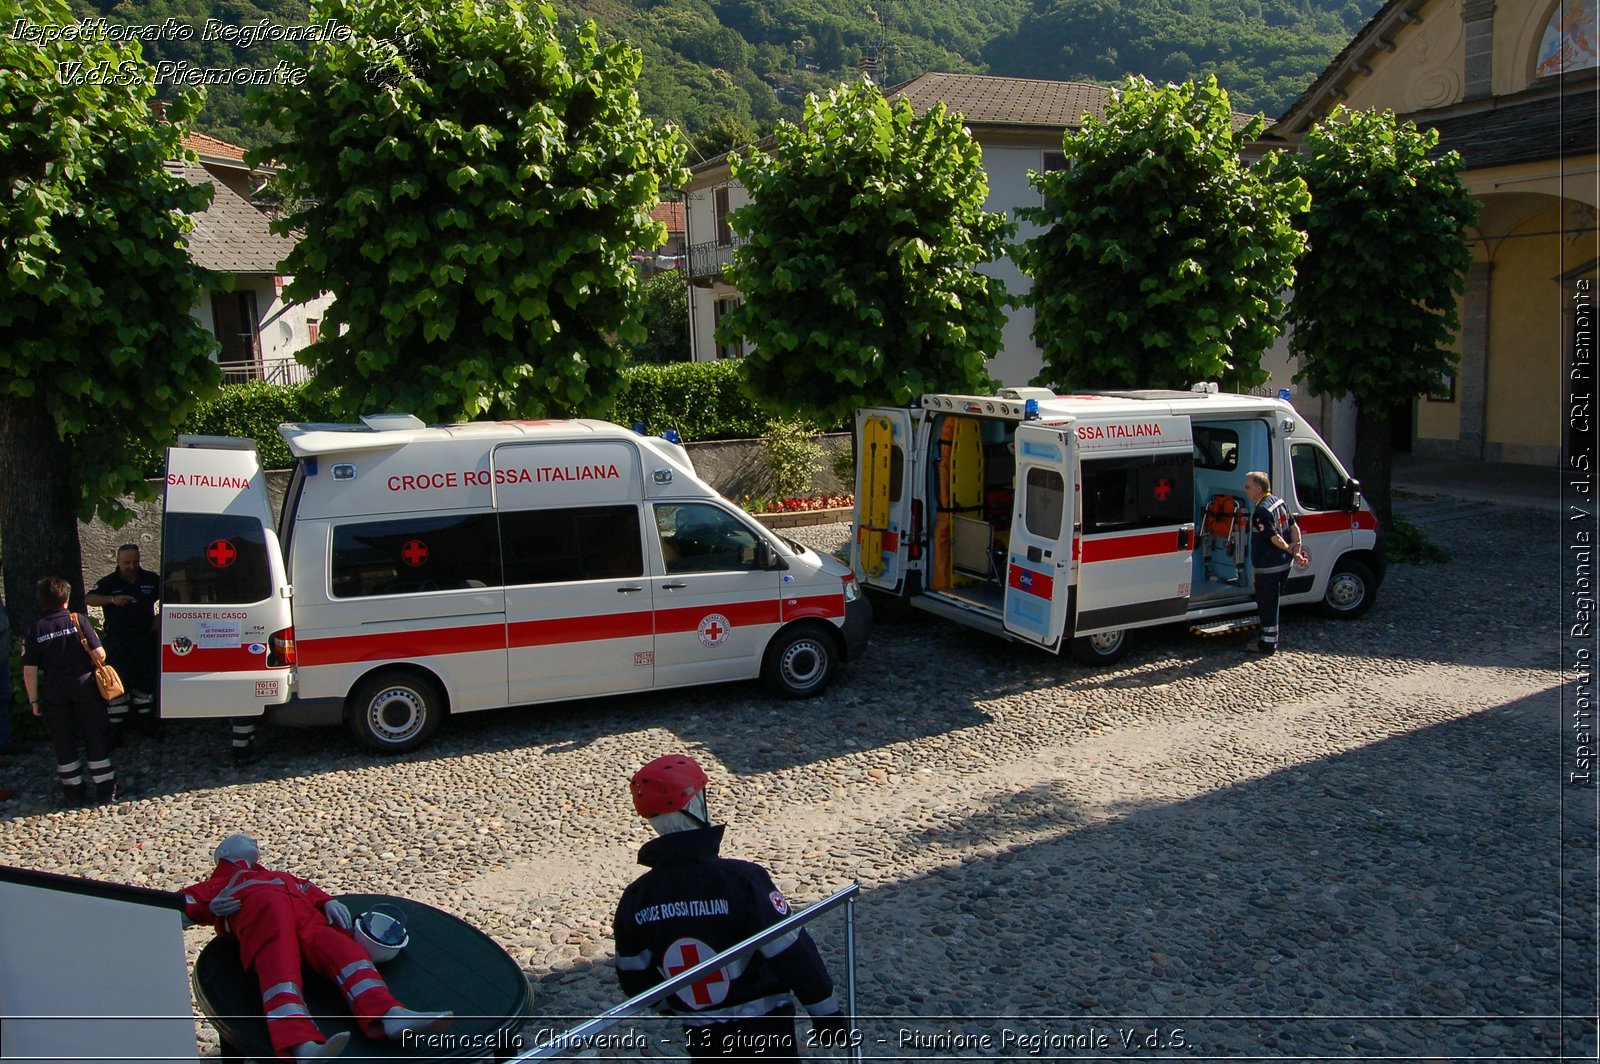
[1350, 850]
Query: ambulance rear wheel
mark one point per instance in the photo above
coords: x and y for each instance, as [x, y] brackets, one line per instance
[1351, 590]
[799, 661]
[1102, 649]
[395, 712]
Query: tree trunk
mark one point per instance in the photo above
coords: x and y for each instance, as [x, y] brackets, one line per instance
[38, 508]
[1375, 459]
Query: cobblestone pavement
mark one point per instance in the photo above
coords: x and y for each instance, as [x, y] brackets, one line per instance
[1351, 849]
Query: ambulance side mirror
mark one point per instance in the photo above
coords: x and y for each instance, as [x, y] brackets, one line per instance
[1350, 495]
[767, 559]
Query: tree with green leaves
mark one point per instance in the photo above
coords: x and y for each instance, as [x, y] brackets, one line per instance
[664, 313]
[472, 181]
[1374, 311]
[865, 233]
[100, 354]
[1162, 256]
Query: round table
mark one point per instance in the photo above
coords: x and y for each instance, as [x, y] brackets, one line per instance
[449, 964]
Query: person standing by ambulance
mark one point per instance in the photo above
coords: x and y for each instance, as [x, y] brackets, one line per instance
[1274, 543]
[131, 598]
[693, 904]
[68, 699]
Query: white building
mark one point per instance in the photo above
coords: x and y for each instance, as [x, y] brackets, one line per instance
[259, 333]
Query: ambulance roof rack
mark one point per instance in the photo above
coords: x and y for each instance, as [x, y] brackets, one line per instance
[392, 422]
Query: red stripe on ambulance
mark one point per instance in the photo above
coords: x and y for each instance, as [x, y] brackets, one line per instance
[213, 659]
[390, 646]
[1142, 546]
[1033, 583]
[579, 629]
[1338, 521]
[813, 606]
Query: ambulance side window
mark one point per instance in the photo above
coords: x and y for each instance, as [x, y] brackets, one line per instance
[214, 558]
[700, 538]
[1317, 480]
[1046, 501]
[413, 555]
[1127, 493]
[582, 543]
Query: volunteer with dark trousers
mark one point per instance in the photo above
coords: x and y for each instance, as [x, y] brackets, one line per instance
[131, 598]
[1274, 542]
[693, 904]
[67, 697]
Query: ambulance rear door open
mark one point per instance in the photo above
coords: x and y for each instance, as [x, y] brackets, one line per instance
[225, 607]
[885, 548]
[1136, 496]
[1038, 575]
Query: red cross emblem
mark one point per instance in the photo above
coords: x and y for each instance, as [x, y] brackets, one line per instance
[713, 630]
[685, 954]
[222, 554]
[1163, 489]
[414, 553]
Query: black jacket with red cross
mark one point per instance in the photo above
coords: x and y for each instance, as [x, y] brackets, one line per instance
[693, 904]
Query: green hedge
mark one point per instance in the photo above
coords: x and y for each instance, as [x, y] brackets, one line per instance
[702, 400]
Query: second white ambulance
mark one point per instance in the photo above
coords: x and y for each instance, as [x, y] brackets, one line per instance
[418, 571]
[1068, 521]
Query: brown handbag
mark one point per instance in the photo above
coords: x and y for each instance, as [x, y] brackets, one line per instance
[105, 677]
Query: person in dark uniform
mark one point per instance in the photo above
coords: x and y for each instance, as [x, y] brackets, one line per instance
[131, 598]
[693, 904]
[69, 701]
[1274, 542]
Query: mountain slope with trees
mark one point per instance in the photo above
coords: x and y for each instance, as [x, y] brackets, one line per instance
[754, 61]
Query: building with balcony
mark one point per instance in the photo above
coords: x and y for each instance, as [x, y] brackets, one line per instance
[258, 332]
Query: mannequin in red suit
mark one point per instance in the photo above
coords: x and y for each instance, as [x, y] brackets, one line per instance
[281, 921]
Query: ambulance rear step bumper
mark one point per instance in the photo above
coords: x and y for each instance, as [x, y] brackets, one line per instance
[307, 713]
[1227, 625]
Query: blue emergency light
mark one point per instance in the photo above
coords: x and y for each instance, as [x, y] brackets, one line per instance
[1030, 410]
[1283, 393]
[671, 435]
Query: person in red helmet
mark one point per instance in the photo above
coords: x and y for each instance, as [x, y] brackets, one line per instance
[281, 921]
[693, 904]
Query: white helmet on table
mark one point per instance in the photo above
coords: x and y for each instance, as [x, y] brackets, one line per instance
[381, 930]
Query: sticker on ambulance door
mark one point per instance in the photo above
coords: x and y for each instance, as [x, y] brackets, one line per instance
[219, 634]
[713, 630]
[221, 554]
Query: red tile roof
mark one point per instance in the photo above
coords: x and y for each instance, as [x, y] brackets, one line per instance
[671, 212]
[204, 145]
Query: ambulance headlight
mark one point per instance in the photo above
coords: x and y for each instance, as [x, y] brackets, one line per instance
[851, 591]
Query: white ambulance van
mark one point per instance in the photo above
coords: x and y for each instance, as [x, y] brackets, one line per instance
[420, 571]
[1068, 521]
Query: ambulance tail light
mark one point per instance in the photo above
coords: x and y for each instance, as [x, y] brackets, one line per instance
[916, 529]
[281, 656]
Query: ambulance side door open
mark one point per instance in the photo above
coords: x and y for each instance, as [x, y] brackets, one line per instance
[224, 590]
[1038, 575]
[885, 475]
[1136, 498]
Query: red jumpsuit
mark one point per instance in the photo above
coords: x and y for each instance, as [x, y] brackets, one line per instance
[280, 921]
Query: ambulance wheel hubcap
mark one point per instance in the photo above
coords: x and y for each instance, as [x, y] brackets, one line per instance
[396, 714]
[1346, 591]
[1107, 642]
[804, 663]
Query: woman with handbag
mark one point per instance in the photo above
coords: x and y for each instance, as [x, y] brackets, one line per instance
[69, 652]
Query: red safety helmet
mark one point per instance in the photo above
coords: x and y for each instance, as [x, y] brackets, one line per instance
[667, 785]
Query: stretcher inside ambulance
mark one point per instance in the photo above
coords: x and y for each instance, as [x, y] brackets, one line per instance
[1068, 521]
[421, 571]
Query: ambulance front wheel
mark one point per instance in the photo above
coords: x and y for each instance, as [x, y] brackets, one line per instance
[1351, 590]
[1101, 649]
[800, 661]
[395, 711]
